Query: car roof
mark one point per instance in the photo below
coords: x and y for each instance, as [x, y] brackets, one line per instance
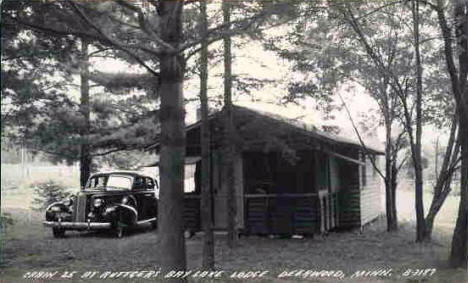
[122, 172]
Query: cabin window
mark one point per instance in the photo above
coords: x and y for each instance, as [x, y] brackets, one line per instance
[189, 180]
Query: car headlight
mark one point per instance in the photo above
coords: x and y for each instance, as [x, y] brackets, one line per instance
[67, 202]
[98, 202]
[125, 200]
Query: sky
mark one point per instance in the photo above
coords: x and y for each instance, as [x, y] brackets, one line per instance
[252, 60]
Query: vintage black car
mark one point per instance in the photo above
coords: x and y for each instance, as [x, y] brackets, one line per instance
[114, 200]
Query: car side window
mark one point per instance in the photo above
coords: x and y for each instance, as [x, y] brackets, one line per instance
[91, 183]
[101, 181]
[139, 183]
[96, 182]
[149, 184]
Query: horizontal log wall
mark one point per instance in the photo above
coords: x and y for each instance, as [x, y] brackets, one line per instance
[282, 214]
[349, 195]
[350, 210]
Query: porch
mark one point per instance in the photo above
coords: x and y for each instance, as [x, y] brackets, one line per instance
[278, 214]
[287, 179]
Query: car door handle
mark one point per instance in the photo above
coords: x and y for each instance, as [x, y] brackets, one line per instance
[148, 195]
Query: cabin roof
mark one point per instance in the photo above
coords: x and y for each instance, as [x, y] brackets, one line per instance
[300, 128]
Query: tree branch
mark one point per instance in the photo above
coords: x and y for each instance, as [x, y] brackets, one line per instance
[146, 27]
[457, 87]
[111, 41]
[361, 141]
[381, 8]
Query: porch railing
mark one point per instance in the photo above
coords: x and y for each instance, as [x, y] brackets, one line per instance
[290, 214]
[283, 214]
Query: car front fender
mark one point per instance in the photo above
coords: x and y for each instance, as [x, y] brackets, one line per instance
[54, 208]
[121, 214]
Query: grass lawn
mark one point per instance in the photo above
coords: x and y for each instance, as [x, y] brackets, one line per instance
[27, 246]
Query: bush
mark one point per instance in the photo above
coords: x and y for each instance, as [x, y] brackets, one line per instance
[6, 219]
[47, 193]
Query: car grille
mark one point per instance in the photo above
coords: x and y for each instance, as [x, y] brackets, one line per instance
[79, 208]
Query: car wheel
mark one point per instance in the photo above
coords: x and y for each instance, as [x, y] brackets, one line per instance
[119, 232]
[58, 233]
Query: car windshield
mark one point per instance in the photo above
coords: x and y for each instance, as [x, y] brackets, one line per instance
[119, 182]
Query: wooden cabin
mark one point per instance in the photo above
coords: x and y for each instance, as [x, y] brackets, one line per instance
[289, 179]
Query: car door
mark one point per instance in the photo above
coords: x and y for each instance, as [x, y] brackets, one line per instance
[138, 192]
[151, 198]
[144, 193]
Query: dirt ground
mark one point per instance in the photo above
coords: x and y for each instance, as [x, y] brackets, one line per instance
[27, 247]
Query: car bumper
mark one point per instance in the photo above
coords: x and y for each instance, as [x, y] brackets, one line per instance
[78, 225]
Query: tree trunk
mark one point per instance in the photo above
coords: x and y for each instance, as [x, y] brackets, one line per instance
[23, 163]
[444, 179]
[392, 224]
[206, 205]
[459, 251]
[229, 128]
[394, 188]
[436, 159]
[172, 154]
[85, 156]
[85, 165]
[417, 158]
[436, 204]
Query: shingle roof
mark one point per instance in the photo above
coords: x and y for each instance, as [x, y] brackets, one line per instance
[299, 126]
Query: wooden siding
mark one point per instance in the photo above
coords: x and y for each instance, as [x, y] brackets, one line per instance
[359, 197]
[370, 195]
[282, 214]
[349, 195]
